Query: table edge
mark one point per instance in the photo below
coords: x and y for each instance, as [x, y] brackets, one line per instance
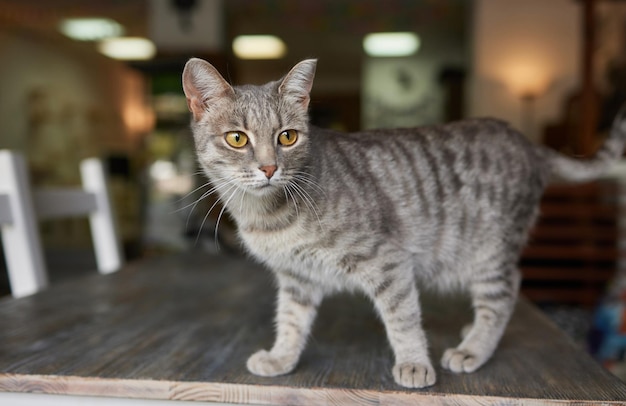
[253, 394]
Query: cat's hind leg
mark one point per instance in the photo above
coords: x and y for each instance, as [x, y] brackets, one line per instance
[298, 300]
[493, 299]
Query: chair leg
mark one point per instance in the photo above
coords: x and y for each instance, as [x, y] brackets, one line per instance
[20, 237]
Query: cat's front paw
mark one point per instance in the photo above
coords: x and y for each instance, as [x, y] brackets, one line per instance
[414, 375]
[264, 363]
[460, 361]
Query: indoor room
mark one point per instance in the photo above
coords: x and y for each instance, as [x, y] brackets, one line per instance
[134, 267]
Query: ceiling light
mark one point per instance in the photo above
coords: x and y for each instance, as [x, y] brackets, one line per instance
[128, 48]
[259, 47]
[90, 29]
[391, 44]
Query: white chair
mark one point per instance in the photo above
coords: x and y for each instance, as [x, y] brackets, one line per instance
[20, 238]
[22, 207]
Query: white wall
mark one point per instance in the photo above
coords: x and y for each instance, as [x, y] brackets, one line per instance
[519, 46]
[62, 101]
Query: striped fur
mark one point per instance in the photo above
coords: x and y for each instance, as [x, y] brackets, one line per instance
[381, 212]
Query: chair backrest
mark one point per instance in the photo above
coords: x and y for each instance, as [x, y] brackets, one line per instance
[21, 207]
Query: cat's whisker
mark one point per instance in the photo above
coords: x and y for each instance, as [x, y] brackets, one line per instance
[308, 179]
[204, 195]
[192, 192]
[242, 205]
[286, 195]
[195, 202]
[219, 217]
[295, 202]
[206, 216]
[306, 198]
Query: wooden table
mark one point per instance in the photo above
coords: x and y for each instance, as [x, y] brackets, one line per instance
[182, 327]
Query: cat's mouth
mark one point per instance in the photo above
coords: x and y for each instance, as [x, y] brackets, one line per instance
[267, 183]
[264, 187]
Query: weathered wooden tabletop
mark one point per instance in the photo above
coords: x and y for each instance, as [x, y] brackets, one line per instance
[182, 328]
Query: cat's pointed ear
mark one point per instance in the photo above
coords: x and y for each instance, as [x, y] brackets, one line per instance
[201, 83]
[299, 81]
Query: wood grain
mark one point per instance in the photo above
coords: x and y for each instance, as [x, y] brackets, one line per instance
[182, 328]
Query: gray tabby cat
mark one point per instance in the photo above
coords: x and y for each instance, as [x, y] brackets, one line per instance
[380, 212]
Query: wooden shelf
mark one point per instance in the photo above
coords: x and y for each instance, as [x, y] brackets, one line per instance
[574, 243]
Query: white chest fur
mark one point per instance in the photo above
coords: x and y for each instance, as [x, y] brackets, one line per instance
[276, 250]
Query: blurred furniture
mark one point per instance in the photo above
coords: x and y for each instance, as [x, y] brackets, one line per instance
[20, 237]
[573, 250]
[180, 328]
[21, 208]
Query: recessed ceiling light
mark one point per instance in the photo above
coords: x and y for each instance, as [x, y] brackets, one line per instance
[391, 44]
[90, 29]
[259, 47]
[128, 48]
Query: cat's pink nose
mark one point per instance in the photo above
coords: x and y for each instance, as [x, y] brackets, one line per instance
[268, 170]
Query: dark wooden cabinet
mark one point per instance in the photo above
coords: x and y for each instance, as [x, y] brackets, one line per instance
[573, 250]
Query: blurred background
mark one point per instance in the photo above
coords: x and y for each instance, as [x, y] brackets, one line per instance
[102, 78]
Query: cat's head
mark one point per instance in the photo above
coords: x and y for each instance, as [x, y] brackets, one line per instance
[253, 137]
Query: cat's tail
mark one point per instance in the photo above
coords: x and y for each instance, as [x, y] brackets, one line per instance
[564, 168]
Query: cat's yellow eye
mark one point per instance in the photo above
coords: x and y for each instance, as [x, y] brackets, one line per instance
[236, 139]
[288, 137]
